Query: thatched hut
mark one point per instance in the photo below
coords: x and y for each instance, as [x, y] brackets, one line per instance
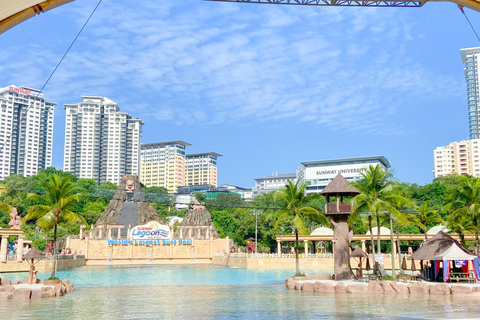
[432, 250]
[436, 245]
[30, 256]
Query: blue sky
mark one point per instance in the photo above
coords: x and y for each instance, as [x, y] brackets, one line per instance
[266, 86]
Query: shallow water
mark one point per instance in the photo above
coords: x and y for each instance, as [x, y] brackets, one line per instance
[214, 292]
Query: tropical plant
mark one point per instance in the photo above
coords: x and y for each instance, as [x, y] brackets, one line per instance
[53, 207]
[294, 210]
[465, 201]
[377, 196]
[425, 215]
[461, 225]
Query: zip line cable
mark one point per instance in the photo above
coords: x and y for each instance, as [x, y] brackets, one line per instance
[461, 9]
[50, 77]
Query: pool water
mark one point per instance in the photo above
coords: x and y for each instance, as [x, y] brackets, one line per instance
[216, 292]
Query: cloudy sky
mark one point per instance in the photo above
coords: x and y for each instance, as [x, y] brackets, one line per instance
[266, 86]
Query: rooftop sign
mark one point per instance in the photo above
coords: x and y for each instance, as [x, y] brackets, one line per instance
[21, 91]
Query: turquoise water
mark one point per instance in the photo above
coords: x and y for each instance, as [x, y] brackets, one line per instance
[214, 292]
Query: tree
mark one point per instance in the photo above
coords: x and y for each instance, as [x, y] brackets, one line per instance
[465, 201]
[377, 196]
[54, 207]
[426, 216]
[461, 225]
[292, 200]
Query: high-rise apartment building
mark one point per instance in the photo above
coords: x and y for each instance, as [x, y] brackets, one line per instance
[458, 157]
[470, 58]
[201, 168]
[101, 142]
[162, 164]
[25, 137]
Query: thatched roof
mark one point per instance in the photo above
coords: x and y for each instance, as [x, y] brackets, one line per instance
[435, 246]
[357, 252]
[339, 185]
[33, 253]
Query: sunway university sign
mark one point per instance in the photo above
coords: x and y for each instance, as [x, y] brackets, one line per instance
[151, 231]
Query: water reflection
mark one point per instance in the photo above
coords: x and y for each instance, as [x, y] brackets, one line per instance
[220, 293]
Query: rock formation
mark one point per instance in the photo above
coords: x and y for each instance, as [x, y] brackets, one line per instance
[197, 224]
[128, 207]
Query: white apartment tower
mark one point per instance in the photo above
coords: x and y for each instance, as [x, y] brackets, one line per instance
[162, 164]
[201, 168]
[29, 148]
[458, 157]
[101, 142]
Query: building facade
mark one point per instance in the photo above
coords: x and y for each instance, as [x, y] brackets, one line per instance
[271, 183]
[25, 137]
[101, 142]
[317, 174]
[470, 58]
[162, 164]
[201, 168]
[457, 158]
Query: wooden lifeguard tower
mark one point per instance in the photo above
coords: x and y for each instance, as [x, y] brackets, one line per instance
[339, 211]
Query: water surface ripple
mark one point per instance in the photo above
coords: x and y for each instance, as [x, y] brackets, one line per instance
[214, 292]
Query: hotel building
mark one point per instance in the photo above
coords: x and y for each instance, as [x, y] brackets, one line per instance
[29, 148]
[458, 157]
[271, 183]
[162, 164]
[470, 58]
[101, 142]
[201, 168]
[317, 174]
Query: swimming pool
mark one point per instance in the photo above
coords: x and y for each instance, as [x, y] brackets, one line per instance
[217, 292]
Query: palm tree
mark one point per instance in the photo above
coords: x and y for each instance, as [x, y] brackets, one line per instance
[465, 201]
[424, 216]
[293, 201]
[3, 205]
[461, 225]
[59, 195]
[377, 196]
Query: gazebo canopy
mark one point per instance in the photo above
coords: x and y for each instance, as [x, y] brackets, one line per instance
[322, 231]
[435, 246]
[455, 252]
[34, 253]
[339, 185]
[383, 231]
[357, 252]
[436, 229]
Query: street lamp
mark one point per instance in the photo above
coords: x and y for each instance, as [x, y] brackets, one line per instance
[256, 213]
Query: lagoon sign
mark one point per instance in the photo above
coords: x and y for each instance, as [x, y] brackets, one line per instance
[151, 231]
[150, 242]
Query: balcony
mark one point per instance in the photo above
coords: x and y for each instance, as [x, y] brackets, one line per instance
[338, 208]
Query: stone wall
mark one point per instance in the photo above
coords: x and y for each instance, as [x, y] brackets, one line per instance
[102, 250]
[379, 287]
[288, 262]
[42, 265]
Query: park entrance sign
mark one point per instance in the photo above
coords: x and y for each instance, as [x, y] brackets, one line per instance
[151, 231]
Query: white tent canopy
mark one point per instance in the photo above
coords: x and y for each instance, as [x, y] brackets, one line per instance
[454, 253]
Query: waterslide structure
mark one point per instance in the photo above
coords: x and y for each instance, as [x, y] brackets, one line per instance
[13, 12]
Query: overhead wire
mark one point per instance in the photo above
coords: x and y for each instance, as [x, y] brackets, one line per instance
[50, 77]
[463, 11]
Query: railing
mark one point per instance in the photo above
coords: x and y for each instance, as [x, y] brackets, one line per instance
[342, 207]
[273, 255]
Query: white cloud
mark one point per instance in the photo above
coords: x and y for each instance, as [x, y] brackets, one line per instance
[205, 63]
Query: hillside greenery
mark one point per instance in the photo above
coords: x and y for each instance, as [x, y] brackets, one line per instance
[231, 215]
